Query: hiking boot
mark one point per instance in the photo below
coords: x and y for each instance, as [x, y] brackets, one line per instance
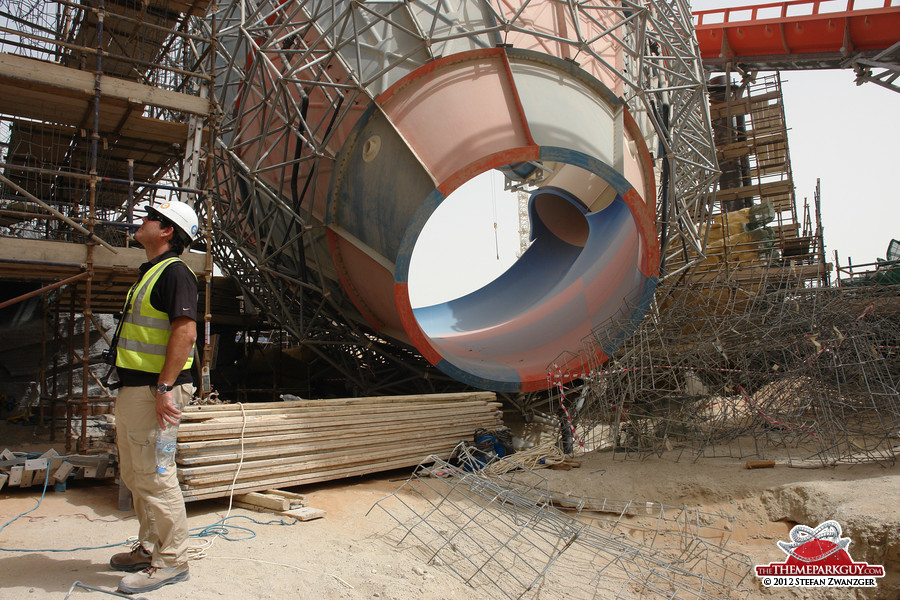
[132, 561]
[153, 578]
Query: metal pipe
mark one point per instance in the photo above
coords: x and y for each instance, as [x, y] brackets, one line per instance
[39, 291]
[46, 206]
[92, 200]
[71, 373]
[206, 367]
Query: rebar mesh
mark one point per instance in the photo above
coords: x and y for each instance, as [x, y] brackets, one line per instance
[511, 534]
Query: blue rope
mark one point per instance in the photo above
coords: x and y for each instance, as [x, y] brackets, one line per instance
[41, 499]
[222, 530]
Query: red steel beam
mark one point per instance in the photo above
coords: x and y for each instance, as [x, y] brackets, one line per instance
[795, 30]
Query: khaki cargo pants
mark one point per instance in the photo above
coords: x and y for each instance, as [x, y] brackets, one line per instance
[158, 503]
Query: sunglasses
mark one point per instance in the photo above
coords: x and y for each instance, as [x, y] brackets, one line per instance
[161, 220]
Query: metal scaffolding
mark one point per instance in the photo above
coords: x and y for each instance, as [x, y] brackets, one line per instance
[102, 109]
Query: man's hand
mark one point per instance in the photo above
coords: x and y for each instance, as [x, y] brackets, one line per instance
[166, 412]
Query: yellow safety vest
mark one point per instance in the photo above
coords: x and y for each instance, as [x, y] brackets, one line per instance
[146, 331]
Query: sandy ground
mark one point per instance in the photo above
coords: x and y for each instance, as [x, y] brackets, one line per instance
[354, 555]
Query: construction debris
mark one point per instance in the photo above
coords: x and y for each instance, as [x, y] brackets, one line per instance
[24, 469]
[284, 503]
[251, 447]
[812, 372]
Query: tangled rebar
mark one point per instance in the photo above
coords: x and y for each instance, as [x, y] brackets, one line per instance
[809, 370]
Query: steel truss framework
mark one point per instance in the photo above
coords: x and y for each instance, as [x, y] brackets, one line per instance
[882, 69]
[276, 60]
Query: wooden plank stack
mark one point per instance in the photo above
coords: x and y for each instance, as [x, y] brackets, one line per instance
[268, 445]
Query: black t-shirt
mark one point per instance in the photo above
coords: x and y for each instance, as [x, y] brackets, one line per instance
[175, 293]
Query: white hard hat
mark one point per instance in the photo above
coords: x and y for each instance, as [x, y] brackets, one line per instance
[181, 215]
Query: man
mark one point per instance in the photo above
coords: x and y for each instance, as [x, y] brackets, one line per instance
[153, 359]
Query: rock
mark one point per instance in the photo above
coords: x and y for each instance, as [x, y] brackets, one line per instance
[418, 570]
[868, 516]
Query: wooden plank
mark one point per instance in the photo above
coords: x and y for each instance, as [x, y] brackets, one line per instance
[27, 478]
[196, 476]
[201, 474]
[742, 106]
[15, 475]
[55, 463]
[749, 191]
[63, 471]
[117, 117]
[306, 513]
[301, 455]
[289, 443]
[75, 255]
[366, 418]
[310, 431]
[263, 500]
[36, 464]
[339, 441]
[288, 428]
[294, 498]
[39, 477]
[101, 468]
[316, 416]
[215, 491]
[31, 73]
[232, 444]
[330, 412]
[195, 411]
[189, 448]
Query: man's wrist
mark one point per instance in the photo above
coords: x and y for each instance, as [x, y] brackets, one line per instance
[162, 388]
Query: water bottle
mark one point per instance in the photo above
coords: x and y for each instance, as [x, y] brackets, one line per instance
[165, 445]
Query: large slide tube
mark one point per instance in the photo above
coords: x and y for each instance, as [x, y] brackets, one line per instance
[345, 125]
[590, 272]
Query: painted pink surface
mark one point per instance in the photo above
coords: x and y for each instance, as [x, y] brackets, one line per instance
[376, 301]
[553, 20]
[445, 144]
